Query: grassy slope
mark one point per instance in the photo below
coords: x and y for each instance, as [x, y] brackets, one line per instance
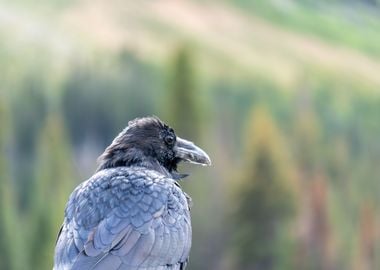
[352, 24]
[228, 41]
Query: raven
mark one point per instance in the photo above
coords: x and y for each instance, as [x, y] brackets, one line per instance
[131, 214]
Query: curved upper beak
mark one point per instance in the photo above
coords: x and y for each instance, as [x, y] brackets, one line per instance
[188, 151]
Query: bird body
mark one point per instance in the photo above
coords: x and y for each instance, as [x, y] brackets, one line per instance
[130, 215]
[143, 208]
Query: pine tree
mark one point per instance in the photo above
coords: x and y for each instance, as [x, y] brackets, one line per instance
[317, 250]
[307, 135]
[314, 232]
[183, 109]
[11, 254]
[54, 179]
[367, 238]
[266, 195]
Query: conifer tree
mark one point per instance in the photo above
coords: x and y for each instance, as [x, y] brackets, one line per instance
[367, 238]
[307, 135]
[53, 182]
[11, 255]
[318, 251]
[265, 199]
[183, 109]
[315, 240]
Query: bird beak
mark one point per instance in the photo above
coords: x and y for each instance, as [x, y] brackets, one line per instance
[188, 151]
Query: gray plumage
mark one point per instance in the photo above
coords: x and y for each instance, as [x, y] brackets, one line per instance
[131, 215]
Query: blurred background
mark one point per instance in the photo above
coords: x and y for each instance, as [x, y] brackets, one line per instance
[283, 95]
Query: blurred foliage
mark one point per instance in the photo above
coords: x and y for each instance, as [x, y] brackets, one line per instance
[97, 102]
[183, 96]
[10, 242]
[266, 199]
[350, 23]
[288, 112]
[54, 175]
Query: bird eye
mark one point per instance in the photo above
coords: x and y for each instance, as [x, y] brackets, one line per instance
[169, 139]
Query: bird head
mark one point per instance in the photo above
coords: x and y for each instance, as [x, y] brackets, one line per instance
[148, 142]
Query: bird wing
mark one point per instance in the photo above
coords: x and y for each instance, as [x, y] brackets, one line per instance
[125, 219]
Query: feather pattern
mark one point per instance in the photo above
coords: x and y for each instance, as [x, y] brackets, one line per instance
[125, 218]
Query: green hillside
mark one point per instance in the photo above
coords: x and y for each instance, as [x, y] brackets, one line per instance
[352, 24]
[220, 33]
